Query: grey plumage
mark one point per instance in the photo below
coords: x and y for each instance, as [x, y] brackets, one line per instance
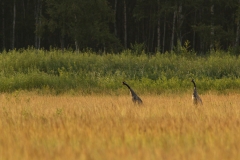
[195, 97]
[135, 97]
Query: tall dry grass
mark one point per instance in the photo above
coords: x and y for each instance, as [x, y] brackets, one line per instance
[110, 127]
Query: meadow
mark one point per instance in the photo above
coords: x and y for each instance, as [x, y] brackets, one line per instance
[68, 105]
[105, 127]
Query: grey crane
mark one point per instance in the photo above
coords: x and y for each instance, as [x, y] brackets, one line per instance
[195, 97]
[135, 97]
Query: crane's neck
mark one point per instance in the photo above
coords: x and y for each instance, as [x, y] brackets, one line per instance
[194, 84]
[132, 92]
[127, 85]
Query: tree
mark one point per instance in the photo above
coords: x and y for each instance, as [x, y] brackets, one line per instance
[158, 26]
[38, 14]
[212, 26]
[173, 27]
[125, 23]
[14, 24]
[86, 23]
[112, 25]
[238, 24]
[3, 26]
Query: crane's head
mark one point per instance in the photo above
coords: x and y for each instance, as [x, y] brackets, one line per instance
[193, 82]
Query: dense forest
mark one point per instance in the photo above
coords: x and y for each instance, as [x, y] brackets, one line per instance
[115, 25]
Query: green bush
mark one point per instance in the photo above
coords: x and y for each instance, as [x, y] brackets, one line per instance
[87, 72]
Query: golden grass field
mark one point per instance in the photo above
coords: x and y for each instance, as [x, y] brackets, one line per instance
[96, 127]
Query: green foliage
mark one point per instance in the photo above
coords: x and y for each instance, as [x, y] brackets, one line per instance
[84, 22]
[87, 72]
[138, 48]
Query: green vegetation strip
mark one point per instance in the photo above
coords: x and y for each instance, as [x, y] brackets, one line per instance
[88, 72]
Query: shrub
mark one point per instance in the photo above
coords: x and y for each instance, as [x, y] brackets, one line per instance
[88, 72]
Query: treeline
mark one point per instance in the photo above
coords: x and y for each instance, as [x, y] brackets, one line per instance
[114, 25]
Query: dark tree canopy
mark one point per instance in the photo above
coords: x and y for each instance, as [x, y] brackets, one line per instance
[114, 25]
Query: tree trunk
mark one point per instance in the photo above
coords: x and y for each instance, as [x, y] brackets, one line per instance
[158, 35]
[237, 35]
[125, 23]
[194, 32]
[3, 26]
[164, 33]
[40, 23]
[76, 41]
[158, 28]
[115, 15]
[179, 23]
[24, 9]
[153, 36]
[150, 32]
[238, 27]
[201, 39]
[212, 28]
[173, 29]
[24, 21]
[14, 22]
[36, 22]
[38, 13]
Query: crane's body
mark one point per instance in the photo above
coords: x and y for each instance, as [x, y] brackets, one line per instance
[195, 97]
[135, 97]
